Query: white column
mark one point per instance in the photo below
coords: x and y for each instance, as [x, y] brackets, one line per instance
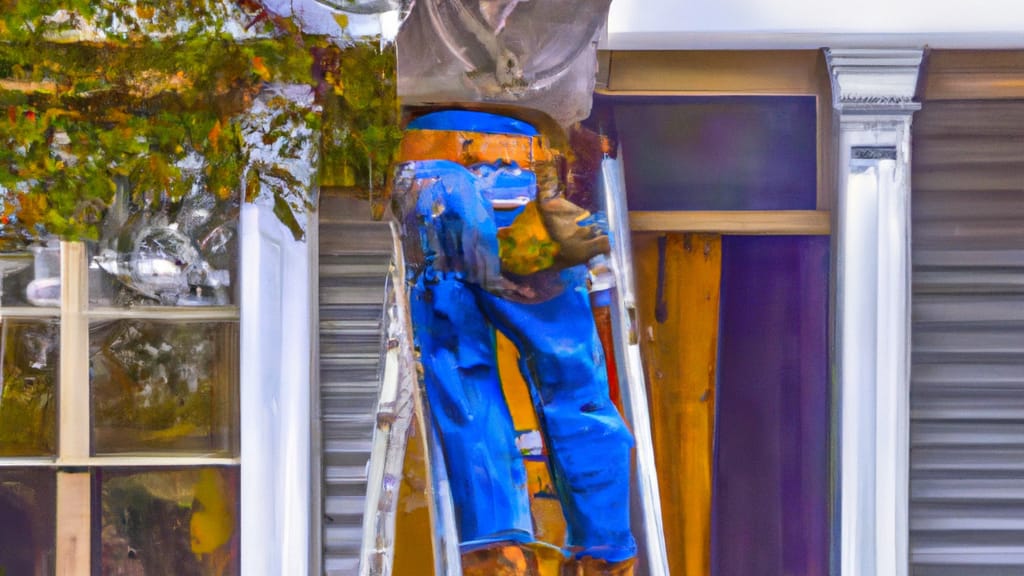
[275, 396]
[873, 96]
[277, 300]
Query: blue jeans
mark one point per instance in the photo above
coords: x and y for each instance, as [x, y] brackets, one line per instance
[454, 320]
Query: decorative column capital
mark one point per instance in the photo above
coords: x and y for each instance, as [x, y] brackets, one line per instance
[873, 81]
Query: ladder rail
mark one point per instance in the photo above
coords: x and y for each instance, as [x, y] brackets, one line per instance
[392, 418]
[400, 406]
[630, 366]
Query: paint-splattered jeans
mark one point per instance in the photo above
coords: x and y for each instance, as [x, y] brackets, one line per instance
[589, 445]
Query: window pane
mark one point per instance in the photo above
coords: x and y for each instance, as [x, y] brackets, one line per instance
[161, 386]
[717, 153]
[28, 403]
[27, 516]
[31, 276]
[182, 253]
[182, 521]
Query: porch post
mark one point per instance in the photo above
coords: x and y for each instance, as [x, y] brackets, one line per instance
[873, 97]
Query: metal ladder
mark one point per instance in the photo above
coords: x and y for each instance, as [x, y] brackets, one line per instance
[368, 389]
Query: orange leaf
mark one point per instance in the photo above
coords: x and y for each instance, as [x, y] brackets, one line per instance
[214, 134]
[260, 68]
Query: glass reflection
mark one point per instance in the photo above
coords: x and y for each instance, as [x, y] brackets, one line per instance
[180, 521]
[31, 277]
[164, 386]
[29, 388]
[27, 517]
[172, 253]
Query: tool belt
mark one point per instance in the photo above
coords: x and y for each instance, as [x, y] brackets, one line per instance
[547, 232]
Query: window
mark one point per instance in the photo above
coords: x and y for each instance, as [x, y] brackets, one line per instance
[119, 414]
[725, 159]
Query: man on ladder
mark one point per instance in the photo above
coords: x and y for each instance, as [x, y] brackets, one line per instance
[494, 244]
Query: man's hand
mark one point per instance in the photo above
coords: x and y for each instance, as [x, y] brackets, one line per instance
[580, 235]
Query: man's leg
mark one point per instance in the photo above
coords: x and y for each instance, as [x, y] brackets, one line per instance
[485, 469]
[589, 443]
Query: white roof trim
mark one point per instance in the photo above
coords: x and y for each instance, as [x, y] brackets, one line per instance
[775, 40]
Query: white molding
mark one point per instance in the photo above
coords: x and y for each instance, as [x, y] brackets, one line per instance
[796, 40]
[873, 95]
[275, 398]
[874, 80]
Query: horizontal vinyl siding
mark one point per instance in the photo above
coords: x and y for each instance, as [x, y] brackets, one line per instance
[967, 380]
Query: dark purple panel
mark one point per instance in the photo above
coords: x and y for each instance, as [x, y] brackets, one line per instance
[717, 153]
[770, 487]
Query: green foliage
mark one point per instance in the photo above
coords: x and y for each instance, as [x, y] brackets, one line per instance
[62, 170]
[122, 21]
[94, 114]
[361, 108]
[85, 115]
